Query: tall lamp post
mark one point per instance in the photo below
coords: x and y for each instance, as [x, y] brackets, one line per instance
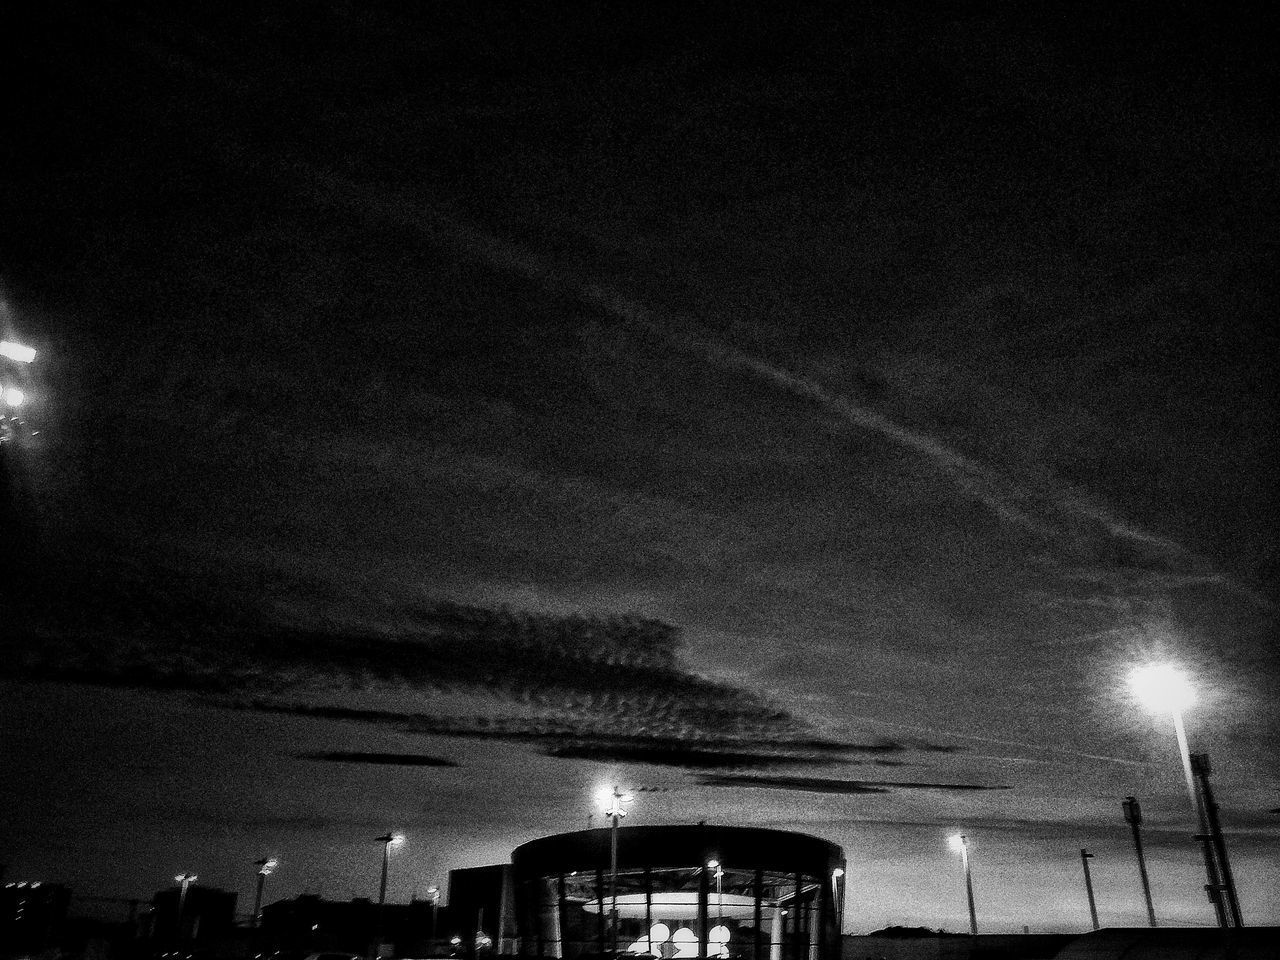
[185, 879]
[838, 897]
[388, 840]
[613, 802]
[434, 893]
[265, 866]
[1166, 689]
[960, 843]
[1085, 857]
[1133, 814]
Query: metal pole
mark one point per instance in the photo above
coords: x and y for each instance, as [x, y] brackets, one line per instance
[613, 880]
[1212, 887]
[968, 886]
[1085, 857]
[182, 902]
[382, 898]
[1200, 766]
[1133, 814]
[257, 900]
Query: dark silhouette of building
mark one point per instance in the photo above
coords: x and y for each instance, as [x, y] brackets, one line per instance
[208, 914]
[482, 915]
[33, 915]
[309, 924]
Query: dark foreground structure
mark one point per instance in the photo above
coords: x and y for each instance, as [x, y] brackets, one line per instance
[681, 891]
[1114, 943]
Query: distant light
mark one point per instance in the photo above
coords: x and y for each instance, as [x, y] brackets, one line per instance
[14, 397]
[16, 351]
[397, 839]
[958, 842]
[186, 878]
[612, 801]
[837, 873]
[1162, 688]
[266, 866]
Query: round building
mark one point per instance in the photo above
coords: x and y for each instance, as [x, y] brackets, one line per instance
[680, 892]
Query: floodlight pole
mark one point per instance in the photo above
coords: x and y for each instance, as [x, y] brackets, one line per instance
[1213, 885]
[1085, 857]
[613, 874]
[1133, 814]
[1200, 766]
[185, 879]
[614, 802]
[265, 866]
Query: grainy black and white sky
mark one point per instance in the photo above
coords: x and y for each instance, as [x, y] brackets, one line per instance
[803, 415]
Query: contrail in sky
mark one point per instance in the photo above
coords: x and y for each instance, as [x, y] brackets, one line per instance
[1031, 510]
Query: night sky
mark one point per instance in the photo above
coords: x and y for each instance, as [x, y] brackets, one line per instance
[802, 415]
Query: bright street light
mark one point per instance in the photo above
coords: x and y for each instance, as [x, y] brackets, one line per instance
[1166, 689]
[719, 948]
[16, 352]
[960, 844]
[1162, 688]
[388, 840]
[265, 867]
[613, 802]
[185, 879]
[14, 397]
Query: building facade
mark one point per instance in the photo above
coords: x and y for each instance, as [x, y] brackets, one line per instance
[680, 892]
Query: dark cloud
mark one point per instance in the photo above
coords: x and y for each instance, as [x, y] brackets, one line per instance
[827, 785]
[587, 738]
[140, 628]
[383, 759]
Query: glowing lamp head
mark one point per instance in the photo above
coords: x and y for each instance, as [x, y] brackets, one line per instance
[266, 866]
[185, 878]
[16, 352]
[613, 801]
[958, 842]
[396, 839]
[1162, 688]
[14, 397]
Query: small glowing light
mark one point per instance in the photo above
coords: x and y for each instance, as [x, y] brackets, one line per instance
[686, 943]
[14, 397]
[454, 940]
[267, 866]
[837, 873]
[1163, 688]
[612, 801]
[397, 839]
[16, 352]
[659, 933]
[958, 842]
[713, 864]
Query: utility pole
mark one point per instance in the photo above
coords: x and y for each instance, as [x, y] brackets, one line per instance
[1133, 814]
[1200, 766]
[1085, 857]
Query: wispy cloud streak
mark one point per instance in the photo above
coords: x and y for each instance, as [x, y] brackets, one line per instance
[1044, 509]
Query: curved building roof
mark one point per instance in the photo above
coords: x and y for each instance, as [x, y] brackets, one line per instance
[739, 848]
